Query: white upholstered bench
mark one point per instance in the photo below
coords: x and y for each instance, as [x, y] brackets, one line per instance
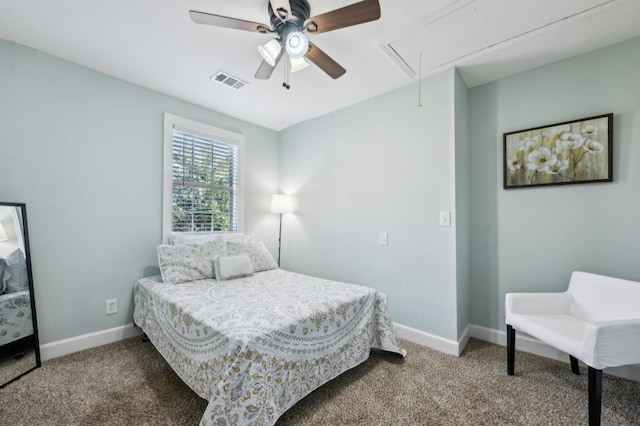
[596, 321]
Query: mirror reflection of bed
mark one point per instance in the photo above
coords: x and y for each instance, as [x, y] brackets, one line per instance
[17, 339]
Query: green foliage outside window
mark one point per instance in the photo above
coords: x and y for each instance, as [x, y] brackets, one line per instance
[204, 184]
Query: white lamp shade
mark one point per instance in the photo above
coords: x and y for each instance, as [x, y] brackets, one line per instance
[3, 234]
[270, 51]
[297, 44]
[282, 203]
[298, 64]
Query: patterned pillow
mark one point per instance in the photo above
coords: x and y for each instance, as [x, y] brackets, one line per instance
[2, 266]
[15, 276]
[189, 262]
[260, 257]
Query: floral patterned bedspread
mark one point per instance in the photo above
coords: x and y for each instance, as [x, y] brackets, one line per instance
[15, 316]
[255, 346]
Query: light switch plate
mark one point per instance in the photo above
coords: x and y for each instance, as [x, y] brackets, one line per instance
[384, 239]
[445, 218]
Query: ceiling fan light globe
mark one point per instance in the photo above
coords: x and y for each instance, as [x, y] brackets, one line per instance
[270, 51]
[296, 44]
[298, 64]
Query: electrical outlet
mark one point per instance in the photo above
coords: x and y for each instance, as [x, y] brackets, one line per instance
[112, 306]
[384, 239]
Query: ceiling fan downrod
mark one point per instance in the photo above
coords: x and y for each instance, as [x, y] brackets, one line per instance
[300, 12]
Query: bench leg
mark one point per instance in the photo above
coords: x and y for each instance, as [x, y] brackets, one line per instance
[595, 396]
[575, 369]
[511, 349]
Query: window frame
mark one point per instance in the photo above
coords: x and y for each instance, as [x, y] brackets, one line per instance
[222, 135]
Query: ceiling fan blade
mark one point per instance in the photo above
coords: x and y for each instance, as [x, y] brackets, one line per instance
[281, 4]
[358, 13]
[265, 70]
[226, 22]
[324, 62]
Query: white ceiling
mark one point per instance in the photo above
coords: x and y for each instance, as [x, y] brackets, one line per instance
[154, 43]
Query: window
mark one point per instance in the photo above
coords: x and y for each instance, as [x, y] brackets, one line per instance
[202, 180]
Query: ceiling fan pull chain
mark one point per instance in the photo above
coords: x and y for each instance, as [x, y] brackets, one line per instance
[420, 82]
[286, 77]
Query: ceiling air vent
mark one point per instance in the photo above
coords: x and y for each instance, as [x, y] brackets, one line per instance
[228, 80]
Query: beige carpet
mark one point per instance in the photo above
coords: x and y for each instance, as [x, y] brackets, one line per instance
[128, 383]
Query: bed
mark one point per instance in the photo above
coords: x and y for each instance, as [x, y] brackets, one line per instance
[15, 316]
[254, 346]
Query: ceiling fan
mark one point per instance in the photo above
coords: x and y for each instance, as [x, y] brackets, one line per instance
[289, 22]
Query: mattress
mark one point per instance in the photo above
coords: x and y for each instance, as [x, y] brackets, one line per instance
[15, 316]
[255, 346]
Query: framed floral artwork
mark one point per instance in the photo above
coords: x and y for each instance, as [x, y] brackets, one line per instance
[578, 151]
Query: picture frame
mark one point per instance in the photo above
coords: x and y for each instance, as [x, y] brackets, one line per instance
[577, 151]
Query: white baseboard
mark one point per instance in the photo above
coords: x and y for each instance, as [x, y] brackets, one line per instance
[535, 346]
[431, 340]
[86, 341]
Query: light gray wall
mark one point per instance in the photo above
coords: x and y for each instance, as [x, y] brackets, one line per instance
[531, 239]
[84, 152]
[462, 204]
[383, 165]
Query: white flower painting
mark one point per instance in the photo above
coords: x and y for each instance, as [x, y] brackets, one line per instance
[572, 152]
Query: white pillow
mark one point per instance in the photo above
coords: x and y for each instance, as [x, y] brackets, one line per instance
[237, 237]
[260, 257]
[230, 267]
[189, 262]
[176, 238]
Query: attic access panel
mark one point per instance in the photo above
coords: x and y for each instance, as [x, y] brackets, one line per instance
[467, 27]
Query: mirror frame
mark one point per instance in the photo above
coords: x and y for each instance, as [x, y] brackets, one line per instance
[27, 253]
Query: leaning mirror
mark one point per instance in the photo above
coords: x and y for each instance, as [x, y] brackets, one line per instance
[19, 347]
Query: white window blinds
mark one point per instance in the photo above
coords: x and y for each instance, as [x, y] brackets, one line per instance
[205, 183]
